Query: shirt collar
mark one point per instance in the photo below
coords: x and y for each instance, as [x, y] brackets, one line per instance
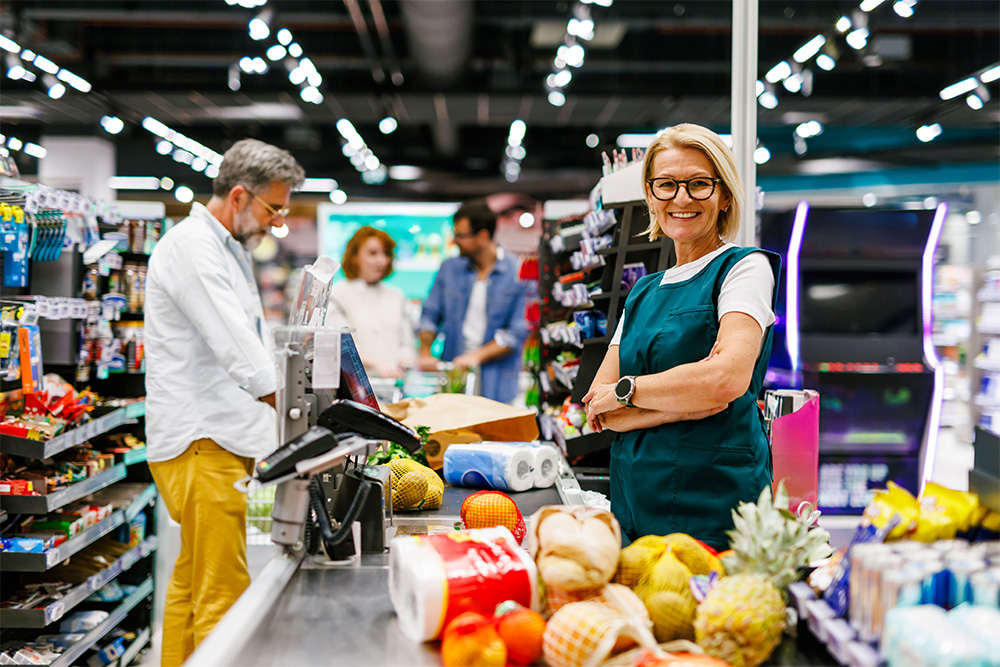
[201, 213]
[498, 266]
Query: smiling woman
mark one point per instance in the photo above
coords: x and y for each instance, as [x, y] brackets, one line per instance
[680, 379]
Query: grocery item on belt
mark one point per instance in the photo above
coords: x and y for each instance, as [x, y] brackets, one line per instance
[493, 466]
[575, 546]
[486, 509]
[434, 578]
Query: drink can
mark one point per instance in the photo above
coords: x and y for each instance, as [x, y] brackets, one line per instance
[872, 610]
[985, 587]
[960, 570]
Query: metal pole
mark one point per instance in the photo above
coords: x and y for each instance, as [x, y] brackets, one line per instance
[744, 111]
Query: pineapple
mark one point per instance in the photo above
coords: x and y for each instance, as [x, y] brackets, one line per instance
[743, 616]
[741, 620]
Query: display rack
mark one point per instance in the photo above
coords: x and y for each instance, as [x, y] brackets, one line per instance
[41, 617]
[70, 655]
[126, 484]
[48, 559]
[985, 348]
[45, 449]
[53, 501]
[952, 329]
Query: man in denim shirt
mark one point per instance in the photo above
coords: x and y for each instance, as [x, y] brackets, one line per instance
[478, 303]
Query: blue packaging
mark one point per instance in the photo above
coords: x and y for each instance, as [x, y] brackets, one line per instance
[494, 466]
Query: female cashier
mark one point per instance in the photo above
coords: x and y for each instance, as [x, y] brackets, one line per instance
[377, 312]
[680, 379]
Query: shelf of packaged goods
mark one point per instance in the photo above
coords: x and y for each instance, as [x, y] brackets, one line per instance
[43, 616]
[46, 560]
[988, 295]
[55, 500]
[134, 456]
[73, 653]
[991, 329]
[984, 365]
[44, 449]
[133, 649]
[587, 444]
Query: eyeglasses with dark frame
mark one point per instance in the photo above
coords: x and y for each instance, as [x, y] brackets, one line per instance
[699, 188]
[275, 213]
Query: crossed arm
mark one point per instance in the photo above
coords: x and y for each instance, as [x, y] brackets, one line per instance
[686, 392]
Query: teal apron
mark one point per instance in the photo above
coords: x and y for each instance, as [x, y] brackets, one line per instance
[686, 477]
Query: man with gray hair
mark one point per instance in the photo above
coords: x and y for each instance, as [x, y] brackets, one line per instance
[210, 382]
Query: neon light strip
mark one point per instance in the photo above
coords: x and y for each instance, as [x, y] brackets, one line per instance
[792, 282]
[926, 285]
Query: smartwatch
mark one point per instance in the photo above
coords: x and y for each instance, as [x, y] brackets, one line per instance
[624, 390]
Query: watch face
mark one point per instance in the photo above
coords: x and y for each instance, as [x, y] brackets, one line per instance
[623, 389]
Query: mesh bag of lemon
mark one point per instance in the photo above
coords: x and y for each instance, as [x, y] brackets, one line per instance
[414, 486]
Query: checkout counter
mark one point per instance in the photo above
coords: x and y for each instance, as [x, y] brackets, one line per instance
[299, 612]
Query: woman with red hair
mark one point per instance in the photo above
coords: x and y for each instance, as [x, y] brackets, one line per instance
[375, 311]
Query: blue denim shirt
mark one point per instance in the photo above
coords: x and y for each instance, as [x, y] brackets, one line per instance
[444, 311]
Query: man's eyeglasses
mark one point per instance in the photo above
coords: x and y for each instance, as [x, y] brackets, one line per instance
[275, 213]
[665, 189]
[463, 235]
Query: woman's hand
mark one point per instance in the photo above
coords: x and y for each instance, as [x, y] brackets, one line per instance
[600, 400]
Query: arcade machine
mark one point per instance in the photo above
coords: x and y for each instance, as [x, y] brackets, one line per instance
[858, 330]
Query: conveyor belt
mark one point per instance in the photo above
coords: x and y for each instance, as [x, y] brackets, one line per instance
[451, 505]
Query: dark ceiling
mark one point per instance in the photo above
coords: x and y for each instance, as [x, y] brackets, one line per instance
[455, 73]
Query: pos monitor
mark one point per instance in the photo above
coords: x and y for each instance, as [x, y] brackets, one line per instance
[858, 306]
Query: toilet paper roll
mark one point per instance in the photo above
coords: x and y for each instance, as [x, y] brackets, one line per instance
[497, 466]
[434, 578]
[546, 465]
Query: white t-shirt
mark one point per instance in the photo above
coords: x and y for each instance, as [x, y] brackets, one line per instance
[748, 287]
[474, 325]
[377, 313]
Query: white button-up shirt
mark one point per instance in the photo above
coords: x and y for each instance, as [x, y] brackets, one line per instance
[208, 351]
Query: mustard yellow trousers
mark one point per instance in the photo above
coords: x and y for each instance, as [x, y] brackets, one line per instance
[211, 570]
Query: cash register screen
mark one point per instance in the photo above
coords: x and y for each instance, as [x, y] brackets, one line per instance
[354, 384]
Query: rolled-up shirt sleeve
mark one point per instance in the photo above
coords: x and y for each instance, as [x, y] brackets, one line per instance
[516, 332]
[203, 292]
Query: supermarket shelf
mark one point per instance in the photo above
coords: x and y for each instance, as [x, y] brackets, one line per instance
[984, 365]
[53, 501]
[43, 449]
[988, 295]
[40, 562]
[134, 456]
[74, 652]
[989, 329]
[987, 401]
[133, 649]
[41, 617]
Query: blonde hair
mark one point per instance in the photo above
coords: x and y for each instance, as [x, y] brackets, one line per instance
[688, 135]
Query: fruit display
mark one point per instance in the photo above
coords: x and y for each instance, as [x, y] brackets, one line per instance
[414, 486]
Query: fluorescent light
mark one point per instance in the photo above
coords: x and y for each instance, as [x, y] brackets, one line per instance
[809, 129]
[284, 37]
[164, 147]
[14, 143]
[868, 5]
[275, 52]
[246, 64]
[869, 199]
[761, 155]
[7, 44]
[405, 172]
[990, 75]
[166, 183]
[134, 183]
[294, 50]
[928, 132]
[387, 125]
[778, 72]
[526, 220]
[212, 171]
[973, 217]
[809, 49]
[46, 65]
[258, 30]
[904, 7]
[112, 124]
[372, 163]
[557, 98]
[16, 72]
[318, 185]
[768, 100]
[793, 84]
[516, 152]
[338, 197]
[844, 24]
[516, 134]
[825, 62]
[858, 39]
[184, 194]
[562, 78]
[156, 127]
[634, 140]
[259, 65]
[56, 90]
[956, 89]
[760, 88]
[592, 140]
[582, 28]
[34, 150]
[199, 164]
[280, 232]
[974, 101]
